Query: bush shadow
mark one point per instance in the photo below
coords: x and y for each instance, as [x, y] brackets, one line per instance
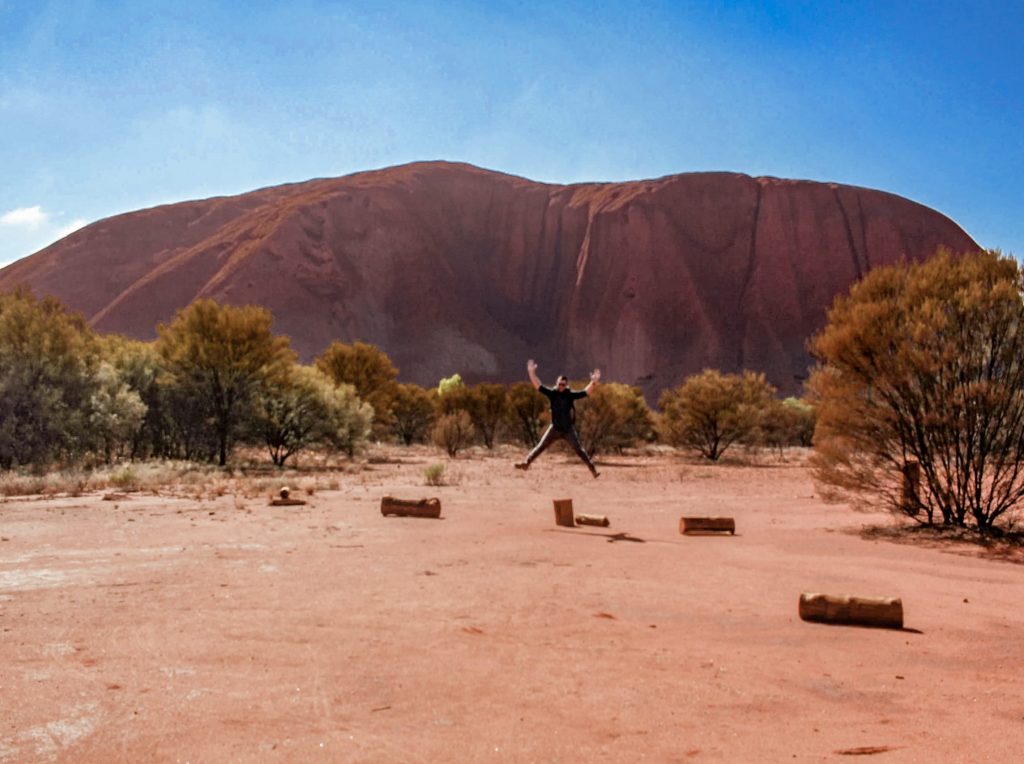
[1004, 546]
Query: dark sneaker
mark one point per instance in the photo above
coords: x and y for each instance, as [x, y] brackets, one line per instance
[522, 465]
[596, 474]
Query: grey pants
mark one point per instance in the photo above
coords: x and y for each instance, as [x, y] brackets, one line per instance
[551, 435]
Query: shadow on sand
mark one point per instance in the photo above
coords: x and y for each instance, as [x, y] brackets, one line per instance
[1006, 547]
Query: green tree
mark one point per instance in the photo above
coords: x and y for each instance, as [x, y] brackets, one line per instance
[527, 412]
[139, 366]
[450, 385]
[48, 360]
[291, 413]
[349, 419]
[614, 417]
[222, 354]
[368, 369]
[116, 413]
[710, 411]
[412, 413]
[923, 364]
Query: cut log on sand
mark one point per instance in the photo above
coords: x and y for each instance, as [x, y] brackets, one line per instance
[389, 505]
[563, 513]
[600, 520]
[707, 525]
[880, 612]
[285, 501]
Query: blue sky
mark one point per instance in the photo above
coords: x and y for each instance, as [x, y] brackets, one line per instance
[107, 107]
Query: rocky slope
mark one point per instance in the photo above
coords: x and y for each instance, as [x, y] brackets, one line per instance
[451, 268]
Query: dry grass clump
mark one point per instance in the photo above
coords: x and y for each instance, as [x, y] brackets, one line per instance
[199, 481]
[434, 474]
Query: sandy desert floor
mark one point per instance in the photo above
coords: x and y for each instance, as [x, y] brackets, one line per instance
[155, 628]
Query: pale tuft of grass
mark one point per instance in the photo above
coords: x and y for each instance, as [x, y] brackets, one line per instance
[434, 474]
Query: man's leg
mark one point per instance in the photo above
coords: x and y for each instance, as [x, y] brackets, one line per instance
[574, 441]
[550, 436]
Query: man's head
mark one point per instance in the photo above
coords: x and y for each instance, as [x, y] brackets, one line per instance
[563, 382]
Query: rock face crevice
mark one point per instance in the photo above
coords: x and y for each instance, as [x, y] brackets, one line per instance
[747, 276]
[859, 267]
[451, 268]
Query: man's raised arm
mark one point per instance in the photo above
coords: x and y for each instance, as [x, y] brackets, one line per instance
[531, 369]
[595, 377]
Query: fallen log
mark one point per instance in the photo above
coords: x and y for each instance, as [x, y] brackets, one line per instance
[563, 513]
[707, 525]
[389, 505]
[600, 520]
[879, 612]
[286, 502]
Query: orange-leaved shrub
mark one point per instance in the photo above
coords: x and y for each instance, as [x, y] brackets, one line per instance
[922, 374]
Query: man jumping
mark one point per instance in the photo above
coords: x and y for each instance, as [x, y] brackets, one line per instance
[563, 416]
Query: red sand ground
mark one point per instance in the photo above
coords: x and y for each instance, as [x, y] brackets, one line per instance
[167, 629]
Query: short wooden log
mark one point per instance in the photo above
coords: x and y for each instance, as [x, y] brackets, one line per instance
[389, 505]
[600, 520]
[563, 513]
[707, 525]
[879, 612]
[285, 502]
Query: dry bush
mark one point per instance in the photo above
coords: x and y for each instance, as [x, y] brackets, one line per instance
[434, 474]
[924, 364]
[614, 416]
[453, 432]
[711, 411]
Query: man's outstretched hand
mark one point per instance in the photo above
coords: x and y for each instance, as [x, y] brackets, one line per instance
[531, 366]
[595, 376]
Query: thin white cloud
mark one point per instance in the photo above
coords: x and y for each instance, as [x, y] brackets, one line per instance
[28, 217]
[70, 228]
[28, 230]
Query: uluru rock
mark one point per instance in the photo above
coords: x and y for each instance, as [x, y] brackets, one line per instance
[451, 268]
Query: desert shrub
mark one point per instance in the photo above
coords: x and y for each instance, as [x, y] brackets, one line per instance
[788, 422]
[923, 364]
[368, 369]
[220, 355]
[139, 367]
[487, 406]
[453, 432]
[304, 408]
[187, 421]
[614, 416]
[449, 385]
[126, 479]
[48, 360]
[434, 474]
[452, 395]
[116, 413]
[527, 412]
[412, 412]
[349, 420]
[711, 411]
